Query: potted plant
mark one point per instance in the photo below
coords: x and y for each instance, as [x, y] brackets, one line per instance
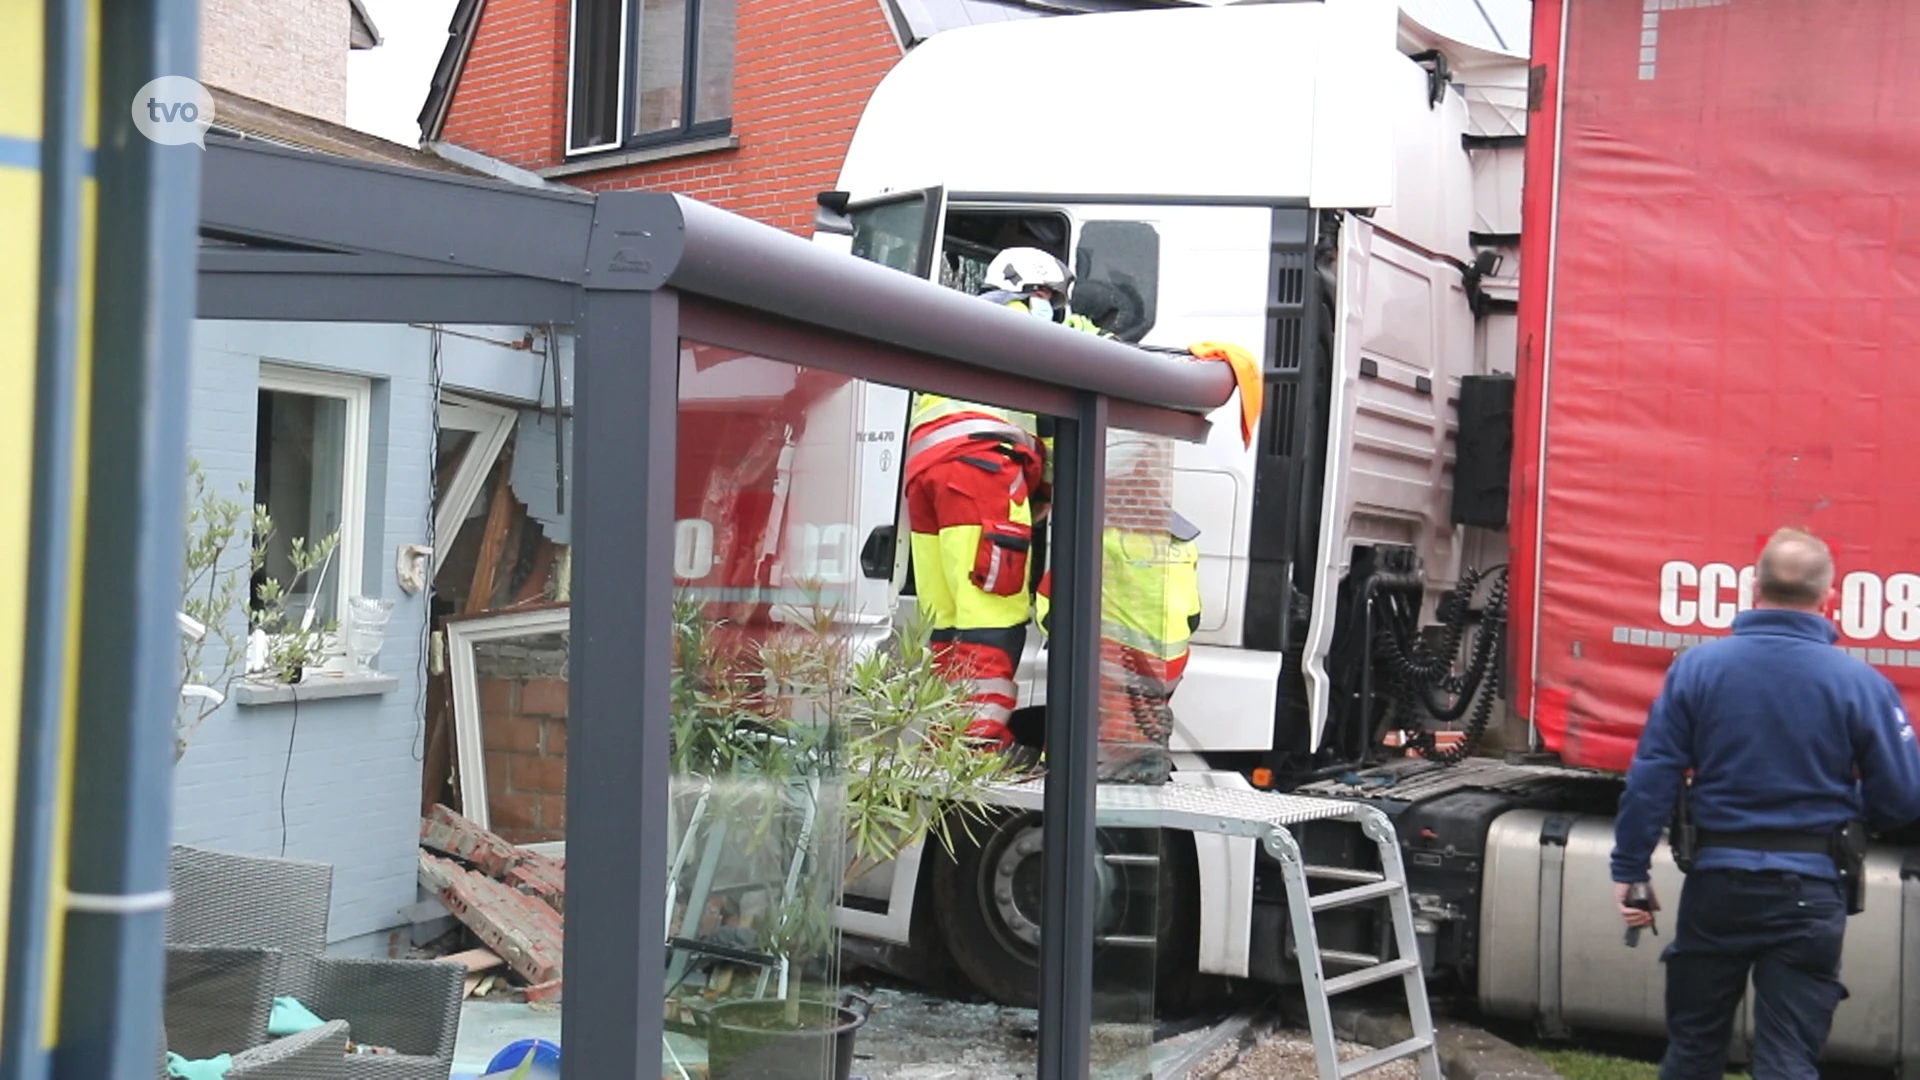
[226, 556]
[831, 759]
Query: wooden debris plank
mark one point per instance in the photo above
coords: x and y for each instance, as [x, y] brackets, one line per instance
[520, 929]
[476, 959]
[493, 537]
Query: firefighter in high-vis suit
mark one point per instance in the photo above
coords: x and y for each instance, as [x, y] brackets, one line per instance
[977, 477]
[1149, 609]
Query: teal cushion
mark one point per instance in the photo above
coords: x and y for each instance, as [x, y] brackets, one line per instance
[291, 1018]
[209, 1069]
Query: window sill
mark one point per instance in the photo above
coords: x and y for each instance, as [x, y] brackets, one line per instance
[604, 159]
[317, 687]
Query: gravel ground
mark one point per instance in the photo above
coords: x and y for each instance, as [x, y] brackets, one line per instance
[914, 1036]
[1288, 1053]
[918, 1037]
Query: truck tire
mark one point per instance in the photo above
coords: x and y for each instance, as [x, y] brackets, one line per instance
[992, 936]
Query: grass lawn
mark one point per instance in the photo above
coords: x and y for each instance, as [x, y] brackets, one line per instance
[1585, 1065]
[1588, 1065]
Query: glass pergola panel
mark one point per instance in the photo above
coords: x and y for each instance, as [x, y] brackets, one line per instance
[702, 342]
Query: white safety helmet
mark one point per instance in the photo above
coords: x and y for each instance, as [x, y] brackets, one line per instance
[1016, 270]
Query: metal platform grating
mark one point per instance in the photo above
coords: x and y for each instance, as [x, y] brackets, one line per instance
[1228, 811]
[1413, 779]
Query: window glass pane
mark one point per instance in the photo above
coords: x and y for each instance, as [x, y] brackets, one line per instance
[298, 469]
[663, 65]
[1147, 595]
[715, 97]
[894, 233]
[1117, 276]
[766, 688]
[596, 72]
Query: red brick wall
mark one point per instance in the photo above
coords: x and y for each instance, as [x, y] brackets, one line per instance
[524, 728]
[511, 100]
[1139, 481]
[803, 70]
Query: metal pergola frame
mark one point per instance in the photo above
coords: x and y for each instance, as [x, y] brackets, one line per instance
[290, 235]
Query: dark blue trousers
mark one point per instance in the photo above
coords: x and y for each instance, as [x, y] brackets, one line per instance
[1786, 931]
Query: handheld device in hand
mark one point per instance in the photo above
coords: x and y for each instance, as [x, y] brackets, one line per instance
[1640, 895]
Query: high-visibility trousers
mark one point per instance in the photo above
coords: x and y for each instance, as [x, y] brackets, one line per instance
[972, 534]
[1136, 713]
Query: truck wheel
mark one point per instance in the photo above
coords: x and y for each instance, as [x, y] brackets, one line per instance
[987, 900]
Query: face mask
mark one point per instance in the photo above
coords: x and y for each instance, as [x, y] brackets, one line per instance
[1040, 307]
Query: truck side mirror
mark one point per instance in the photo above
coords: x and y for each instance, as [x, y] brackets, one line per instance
[876, 555]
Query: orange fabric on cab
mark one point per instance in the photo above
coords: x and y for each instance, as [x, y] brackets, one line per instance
[1246, 373]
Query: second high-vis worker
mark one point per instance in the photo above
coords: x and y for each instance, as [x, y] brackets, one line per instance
[1149, 609]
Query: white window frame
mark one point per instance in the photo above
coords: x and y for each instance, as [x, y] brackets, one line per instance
[491, 425]
[469, 740]
[357, 392]
[620, 100]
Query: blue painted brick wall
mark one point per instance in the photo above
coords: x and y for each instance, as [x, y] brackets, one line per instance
[352, 780]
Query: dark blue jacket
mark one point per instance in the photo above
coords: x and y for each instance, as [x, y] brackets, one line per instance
[1774, 722]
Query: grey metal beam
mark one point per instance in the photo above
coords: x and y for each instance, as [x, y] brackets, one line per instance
[51, 565]
[121, 803]
[384, 298]
[241, 260]
[635, 240]
[627, 415]
[750, 331]
[1073, 693]
[302, 197]
[1133, 416]
[733, 258]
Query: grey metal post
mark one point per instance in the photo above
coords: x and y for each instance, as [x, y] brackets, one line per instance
[1073, 696]
[149, 203]
[625, 423]
[63, 162]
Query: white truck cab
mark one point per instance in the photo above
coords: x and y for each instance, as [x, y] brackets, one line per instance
[1331, 186]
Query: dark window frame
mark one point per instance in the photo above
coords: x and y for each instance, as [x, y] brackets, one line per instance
[627, 105]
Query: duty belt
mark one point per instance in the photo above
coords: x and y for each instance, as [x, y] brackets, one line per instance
[1777, 840]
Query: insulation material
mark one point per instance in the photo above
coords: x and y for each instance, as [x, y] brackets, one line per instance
[543, 477]
[1734, 315]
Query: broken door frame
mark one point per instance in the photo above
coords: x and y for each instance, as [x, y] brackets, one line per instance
[491, 426]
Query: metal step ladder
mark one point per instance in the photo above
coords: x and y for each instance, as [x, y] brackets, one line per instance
[1269, 817]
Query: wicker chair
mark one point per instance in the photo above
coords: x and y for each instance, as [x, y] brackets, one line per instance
[412, 1006]
[218, 1001]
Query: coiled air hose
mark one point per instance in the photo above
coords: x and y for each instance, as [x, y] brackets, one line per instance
[1417, 672]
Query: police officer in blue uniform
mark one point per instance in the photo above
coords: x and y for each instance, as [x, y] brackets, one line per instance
[1794, 746]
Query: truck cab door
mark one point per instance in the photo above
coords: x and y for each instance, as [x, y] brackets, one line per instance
[903, 230]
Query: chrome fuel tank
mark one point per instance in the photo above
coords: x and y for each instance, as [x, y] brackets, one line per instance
[1552, 948]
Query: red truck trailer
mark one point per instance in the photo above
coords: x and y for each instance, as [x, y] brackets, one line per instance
[1720, 287]
[1720, 296]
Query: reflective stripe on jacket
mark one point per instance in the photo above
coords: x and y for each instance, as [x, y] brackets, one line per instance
[938, 420]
